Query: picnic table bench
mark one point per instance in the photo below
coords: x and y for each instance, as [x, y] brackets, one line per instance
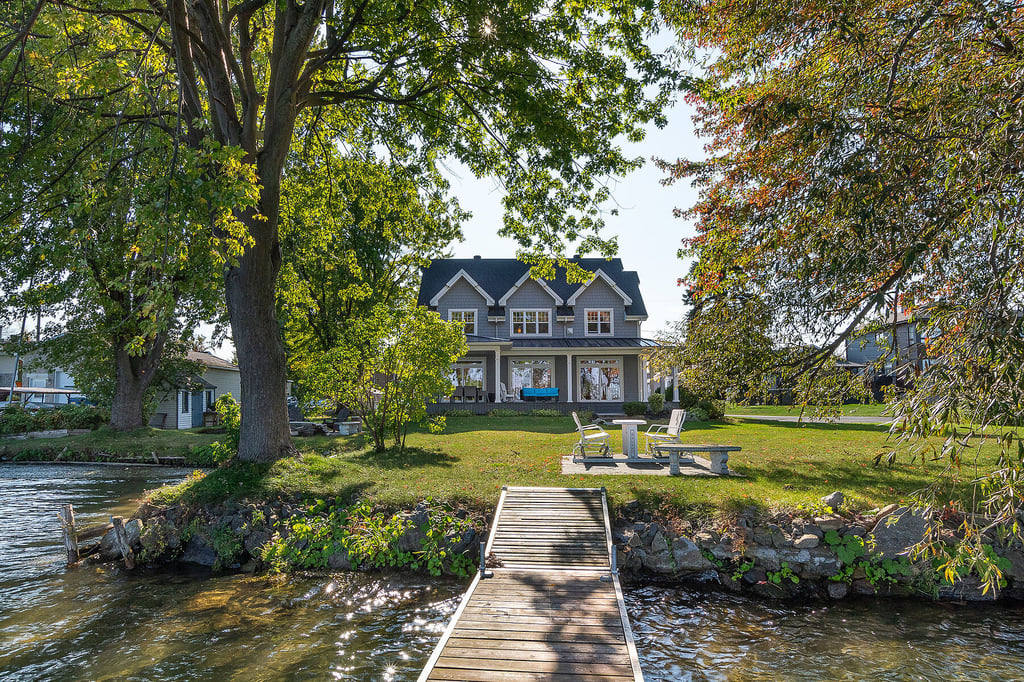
[717, 454]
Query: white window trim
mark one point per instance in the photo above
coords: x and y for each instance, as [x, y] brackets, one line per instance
[512, 323]
[530, 358]
[619, 360]
[611, 321]
[464, 311]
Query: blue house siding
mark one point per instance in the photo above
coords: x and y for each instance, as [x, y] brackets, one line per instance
[601, 296]
[531, 296]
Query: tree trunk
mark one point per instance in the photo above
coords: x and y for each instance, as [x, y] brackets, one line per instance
[133, 377]
[265, 435]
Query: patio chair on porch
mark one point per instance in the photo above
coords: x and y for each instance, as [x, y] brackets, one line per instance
[660, 434]
[591, 436]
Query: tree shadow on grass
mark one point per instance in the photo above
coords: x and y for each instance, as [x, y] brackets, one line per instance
[399, 458]
[811, 426]
[554, 425]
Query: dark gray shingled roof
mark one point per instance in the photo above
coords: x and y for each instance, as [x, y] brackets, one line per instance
[497, 275]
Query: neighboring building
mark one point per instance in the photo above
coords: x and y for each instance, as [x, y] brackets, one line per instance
[530, 338]
[894, 354]
[55, 386]
[183, 405]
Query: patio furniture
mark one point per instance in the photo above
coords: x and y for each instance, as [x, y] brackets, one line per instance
[629, 439]
[591, 436]
[665, 433]
[717, 454]
[534, 394]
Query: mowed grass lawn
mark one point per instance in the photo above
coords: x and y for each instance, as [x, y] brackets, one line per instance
[782, 465]
[876, 410]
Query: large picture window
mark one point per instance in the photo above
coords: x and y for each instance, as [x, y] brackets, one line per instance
[467, 317]
[531, 374]
[600, 379]
[468, 373]
[599, 323]
[531, 322]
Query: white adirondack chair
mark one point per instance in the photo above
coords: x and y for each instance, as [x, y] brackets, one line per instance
[591, 436]
[659, 434]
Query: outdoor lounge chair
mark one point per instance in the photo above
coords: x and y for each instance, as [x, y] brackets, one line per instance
[591, 436]
[660, 434]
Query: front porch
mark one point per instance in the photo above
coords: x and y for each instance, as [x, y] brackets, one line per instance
[613, 409]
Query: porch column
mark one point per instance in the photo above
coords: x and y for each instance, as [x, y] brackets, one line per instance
[497, 375]
[569, 377]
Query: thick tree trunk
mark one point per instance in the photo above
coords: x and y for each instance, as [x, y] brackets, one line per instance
[133, 377]
[251, 286]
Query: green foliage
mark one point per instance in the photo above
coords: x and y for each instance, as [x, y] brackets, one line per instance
[504, 412]
[368, 538]
[634, 408]
[546, 413]
[656, 403]
[458, 413]
[742, 569]
[17, 419]
[784, 573]
[387, 367]
[220, 451]
[696, 414]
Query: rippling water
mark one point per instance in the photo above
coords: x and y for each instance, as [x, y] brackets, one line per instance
[97, 623]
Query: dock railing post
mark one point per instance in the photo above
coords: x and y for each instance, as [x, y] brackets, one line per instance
[484, 573]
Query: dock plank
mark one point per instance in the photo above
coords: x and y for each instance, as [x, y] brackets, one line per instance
[553, 609]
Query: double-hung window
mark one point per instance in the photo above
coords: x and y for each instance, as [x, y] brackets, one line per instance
[466, 317]
[599, 322]
[531, 322]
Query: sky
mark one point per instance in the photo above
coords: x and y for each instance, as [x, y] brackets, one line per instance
[648, 234]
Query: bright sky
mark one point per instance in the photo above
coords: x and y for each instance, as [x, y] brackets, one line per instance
[648, 234]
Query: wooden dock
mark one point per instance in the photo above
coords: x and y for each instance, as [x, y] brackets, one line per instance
[553, 608]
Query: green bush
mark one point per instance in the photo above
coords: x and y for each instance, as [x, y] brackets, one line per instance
[545, 413]
[586, 416]
[504, 413]
[656, 403]
[458, 413]
[17, 419]
[711, 408]
[696, 414]
[634, 408]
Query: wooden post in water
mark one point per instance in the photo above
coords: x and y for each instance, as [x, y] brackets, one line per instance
[67, 524]
[121, 542]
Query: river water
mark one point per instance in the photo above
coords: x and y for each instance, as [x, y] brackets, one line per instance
[98, 623]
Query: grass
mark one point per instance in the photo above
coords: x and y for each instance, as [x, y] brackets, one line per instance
[791, 411]
[139, 443]
[783, 465]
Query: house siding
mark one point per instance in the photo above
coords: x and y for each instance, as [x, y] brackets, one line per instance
[531, 296]
[600, 295]
[462, 296]
[226, 381]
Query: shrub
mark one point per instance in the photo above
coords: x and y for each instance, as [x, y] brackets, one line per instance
[712, 409]
[656, 403]
[545, 413]
[500, 412]
[696, 414]
[458, 413]
[16, 419]
[687, 398]
[634, 408]
[586, 416]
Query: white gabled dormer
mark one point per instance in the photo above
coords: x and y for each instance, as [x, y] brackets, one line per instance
[461, 274]
[600, 274]
[523, 280]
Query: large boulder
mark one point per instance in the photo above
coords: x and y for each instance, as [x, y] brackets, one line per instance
[133, 529]
[688, 557]
[834, 500]
[903, 528]
[199, 551]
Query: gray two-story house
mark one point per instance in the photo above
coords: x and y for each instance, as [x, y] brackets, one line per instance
[575, 345]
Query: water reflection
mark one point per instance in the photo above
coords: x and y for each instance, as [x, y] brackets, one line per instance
[104, 624]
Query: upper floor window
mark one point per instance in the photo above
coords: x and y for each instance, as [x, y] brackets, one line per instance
[531, 322]
[599, 322]
[466, 317]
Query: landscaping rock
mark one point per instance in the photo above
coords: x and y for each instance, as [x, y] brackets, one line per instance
[688, 556]
[807, 541]
[838, 590]
[766, 557]
[883, 513]
[660, 562]
[460, 543]
[830, 522]
[834, 500]
[893, 538]
[970, 588]
[133, 529]
[659, 544]
[254, 540]
[821, 564]
[198, 551]
[339, 561]
[634, 540]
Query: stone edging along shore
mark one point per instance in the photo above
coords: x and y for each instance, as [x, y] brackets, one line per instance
[829, 556]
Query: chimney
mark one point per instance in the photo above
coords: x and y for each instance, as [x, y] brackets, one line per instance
[476, 257]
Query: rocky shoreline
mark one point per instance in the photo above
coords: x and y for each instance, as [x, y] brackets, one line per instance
[824, 555]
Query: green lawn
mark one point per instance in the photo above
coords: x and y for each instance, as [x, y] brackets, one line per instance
[790, 411]
[783, 465]
[140, 443]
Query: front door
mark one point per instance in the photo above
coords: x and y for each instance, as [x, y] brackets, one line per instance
[197, 409]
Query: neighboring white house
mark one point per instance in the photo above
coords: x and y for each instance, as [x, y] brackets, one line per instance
[58, 387]
[182, 406]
